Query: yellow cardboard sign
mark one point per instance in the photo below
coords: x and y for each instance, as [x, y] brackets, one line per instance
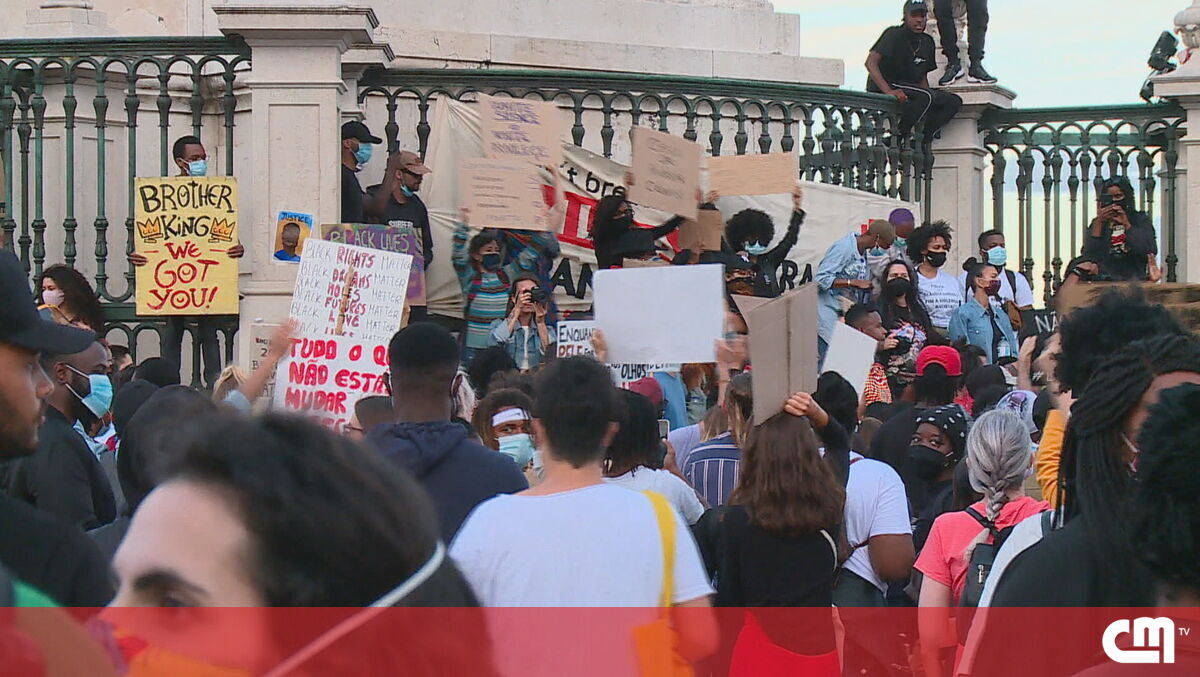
[185, 226]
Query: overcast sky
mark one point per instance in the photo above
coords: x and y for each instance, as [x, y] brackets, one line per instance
[1050, 52]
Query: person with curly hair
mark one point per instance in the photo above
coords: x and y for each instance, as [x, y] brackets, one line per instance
[1120, 243]
[65, 296]
[749, 234]
[939, 291]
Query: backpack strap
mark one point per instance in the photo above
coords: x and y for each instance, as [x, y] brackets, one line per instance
[666, 531]
[987, 523]
[1012, 281]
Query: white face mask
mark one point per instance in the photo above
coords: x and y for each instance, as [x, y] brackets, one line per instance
[53, 297]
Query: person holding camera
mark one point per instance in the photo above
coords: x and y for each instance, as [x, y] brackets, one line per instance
[1120, 245]
[523, 331]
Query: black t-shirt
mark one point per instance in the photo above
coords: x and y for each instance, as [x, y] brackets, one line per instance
[352, 197]
[52, 556]
[906, 57]
[414, 214]
[1128, 261]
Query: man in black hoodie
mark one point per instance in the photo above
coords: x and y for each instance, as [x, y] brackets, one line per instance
[457, 472]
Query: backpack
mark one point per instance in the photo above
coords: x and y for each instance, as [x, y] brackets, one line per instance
[978, 569]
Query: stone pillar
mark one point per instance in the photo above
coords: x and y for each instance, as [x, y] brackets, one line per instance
[959, 160]
[1183, 86]
[355, 62]
[65, 18]
[296, 90]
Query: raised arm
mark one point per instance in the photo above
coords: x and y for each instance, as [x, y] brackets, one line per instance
[780, 252]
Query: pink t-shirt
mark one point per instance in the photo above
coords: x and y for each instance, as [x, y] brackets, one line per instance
[943, 558]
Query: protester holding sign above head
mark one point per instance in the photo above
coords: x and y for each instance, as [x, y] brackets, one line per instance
[899, 64]
[980, 322]
[749, 234]
[523, 331]
[192, 160]
[616, 237]
[842, 278]
[358, 144]
[939, 291]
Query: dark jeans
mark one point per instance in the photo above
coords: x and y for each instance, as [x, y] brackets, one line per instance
[206, 337]
[935, 107]
[977, 22]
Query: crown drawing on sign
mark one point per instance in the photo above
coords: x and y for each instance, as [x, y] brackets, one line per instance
[151, 230]
[222, 231]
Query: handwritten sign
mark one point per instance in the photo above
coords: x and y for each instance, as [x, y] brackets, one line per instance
[575, 338]
[401, 237]
[767, 174]
[666, 172]
[355, 292]
[520, 130]
[291, 230]
[324, 376]
[184, 226]
[502, 194]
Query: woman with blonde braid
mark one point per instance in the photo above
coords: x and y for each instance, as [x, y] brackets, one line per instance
[999, 458]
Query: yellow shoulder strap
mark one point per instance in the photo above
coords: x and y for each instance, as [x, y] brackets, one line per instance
[666, 529]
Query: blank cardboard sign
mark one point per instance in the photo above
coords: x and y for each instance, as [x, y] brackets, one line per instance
[851, 354]
[703, 234]
[783, 349]
[670, 314]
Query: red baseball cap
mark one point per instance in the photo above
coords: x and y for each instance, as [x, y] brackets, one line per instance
[649, 387]
[944, 355]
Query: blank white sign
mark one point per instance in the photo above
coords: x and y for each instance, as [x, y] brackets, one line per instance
[850, 354]
[663, 314]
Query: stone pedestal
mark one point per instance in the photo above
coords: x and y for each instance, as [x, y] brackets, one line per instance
[959, 160]
[65, 19]
[296, 90]
[1183, 86]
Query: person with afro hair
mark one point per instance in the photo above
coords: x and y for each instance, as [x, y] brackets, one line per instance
[939, 291]
[749, 233]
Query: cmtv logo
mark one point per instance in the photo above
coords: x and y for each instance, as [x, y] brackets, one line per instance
[1157, 635]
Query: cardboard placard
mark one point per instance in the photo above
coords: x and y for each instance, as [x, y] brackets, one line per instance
[703, 234]
[666, 171]
[851, 354]
[575, 338]
[343, 290]
[672, 314]
[520, 130]
[286, 221]
[185, 226]
[746, 303]
[766, 174]
[783, 349]
[502, 194]
[643, 263]
[401, 237]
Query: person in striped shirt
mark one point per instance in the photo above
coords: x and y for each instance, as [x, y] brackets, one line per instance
[712, 467]
[485, 277]
[866, 319]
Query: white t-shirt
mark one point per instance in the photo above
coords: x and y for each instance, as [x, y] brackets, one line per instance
[941, 295]
[875, 505]
[1023, 296]
[597, 546]
[678, 493]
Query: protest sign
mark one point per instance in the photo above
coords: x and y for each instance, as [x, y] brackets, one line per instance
[703, 234]
[746, 303]
[324, 376]
[575, 338]
[260, 344]
[851, 354]
[1043, 322]
[666, 172]
[185, 226]
[298, 227]
[661, 314]
[343, 290]
[502, 194]
[643, 263]
[520, 130]
[783, 349]
[401, 237]
[766, 174]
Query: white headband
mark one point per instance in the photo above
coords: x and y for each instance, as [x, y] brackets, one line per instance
[509, 415]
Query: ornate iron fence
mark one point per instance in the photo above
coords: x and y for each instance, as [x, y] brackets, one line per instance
[841, 137]
[72, 103]
[1079, 148]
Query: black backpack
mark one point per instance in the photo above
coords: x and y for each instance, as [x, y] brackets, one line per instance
[978, 569]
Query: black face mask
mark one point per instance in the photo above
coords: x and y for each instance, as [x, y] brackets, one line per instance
[624, 221]
[490, 261]
[897, 287]
[936, 259]
[926, 462]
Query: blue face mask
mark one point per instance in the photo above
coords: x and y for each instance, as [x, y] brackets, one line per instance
[518, 447]
[363, 155]
[406, 191]
[756, 248]
[100, 398]
[900, 243]
[876, 252]
[198, 168]
[997, 256]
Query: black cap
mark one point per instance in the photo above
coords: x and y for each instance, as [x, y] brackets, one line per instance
[20, 323]
[357, 130]
[916, 6]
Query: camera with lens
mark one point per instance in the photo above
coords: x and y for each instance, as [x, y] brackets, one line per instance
[903, 345]
[538, 295]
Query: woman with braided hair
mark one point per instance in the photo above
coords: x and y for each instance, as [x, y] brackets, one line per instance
[1090, 561]
[999, 458]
